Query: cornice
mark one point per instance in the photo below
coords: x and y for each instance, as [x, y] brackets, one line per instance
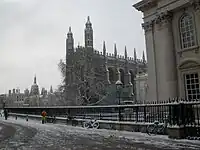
[145, 5]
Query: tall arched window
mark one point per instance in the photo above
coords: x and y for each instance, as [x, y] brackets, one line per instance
[187, 31]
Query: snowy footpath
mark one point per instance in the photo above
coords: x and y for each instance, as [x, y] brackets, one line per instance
[33, 135]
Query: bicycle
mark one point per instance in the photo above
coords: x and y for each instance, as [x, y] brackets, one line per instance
[156, 128]
[91, 124]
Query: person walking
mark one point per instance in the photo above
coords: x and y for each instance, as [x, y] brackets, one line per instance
[44, 116]
[5, 114]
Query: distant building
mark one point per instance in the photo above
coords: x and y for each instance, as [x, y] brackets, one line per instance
[32, 98]
[2, 100]
[15, 98]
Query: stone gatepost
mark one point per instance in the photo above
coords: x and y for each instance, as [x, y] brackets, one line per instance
[176, 127]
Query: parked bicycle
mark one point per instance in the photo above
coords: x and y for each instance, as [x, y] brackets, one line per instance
[157, 128]
[91, 124]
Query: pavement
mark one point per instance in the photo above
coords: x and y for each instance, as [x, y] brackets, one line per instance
[6, 132]
[32, 135]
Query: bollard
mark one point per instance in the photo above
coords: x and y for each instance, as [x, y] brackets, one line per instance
[54, 119]
[26, 117]
[16, 117]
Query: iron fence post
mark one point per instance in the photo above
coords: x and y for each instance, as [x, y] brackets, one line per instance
[119, 113]
[137, 114]
[144, 113]
[182, 114]
[119, 108]
[170, 115]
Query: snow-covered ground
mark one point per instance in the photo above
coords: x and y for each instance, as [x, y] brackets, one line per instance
[56, 136]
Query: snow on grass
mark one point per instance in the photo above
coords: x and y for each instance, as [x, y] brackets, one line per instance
[160, 141]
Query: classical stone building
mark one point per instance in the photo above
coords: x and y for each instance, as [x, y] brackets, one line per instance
[89, 72]
[172, 43]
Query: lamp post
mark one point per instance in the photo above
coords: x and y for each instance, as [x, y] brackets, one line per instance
[146, 88]
[118, 95]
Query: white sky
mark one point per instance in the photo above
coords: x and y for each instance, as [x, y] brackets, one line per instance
[33, 32]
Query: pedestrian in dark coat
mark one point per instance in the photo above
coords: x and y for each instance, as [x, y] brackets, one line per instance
[5, 114]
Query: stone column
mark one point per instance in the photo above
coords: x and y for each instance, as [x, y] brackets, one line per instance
[130, 85]
[150, 49]
[127, 80]
[196, 5]
[107, 75]
[118, 74]
[166, 57]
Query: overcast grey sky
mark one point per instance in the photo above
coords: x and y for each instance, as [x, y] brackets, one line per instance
[33, 32]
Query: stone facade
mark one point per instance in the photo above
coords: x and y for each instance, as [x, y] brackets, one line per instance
[89, 68]
[141, 88]
[172, 44]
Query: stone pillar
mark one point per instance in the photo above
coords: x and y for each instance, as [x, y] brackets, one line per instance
[196, 5]
[118, 74]
[130, 85]
[129, 79]
[150, 50]
[126, 78]
[107, 75]
[165, 57]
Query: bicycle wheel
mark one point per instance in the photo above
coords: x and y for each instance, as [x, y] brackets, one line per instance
[161, 129]
[96, 125]
[150, 129]
[86, 125]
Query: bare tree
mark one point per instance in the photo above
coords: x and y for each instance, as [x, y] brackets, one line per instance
[88, 83]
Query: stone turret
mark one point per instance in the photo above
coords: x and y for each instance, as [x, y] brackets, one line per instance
[135, 55]
[88, 34]
[105, 64]
[143, 58]
[69, 43]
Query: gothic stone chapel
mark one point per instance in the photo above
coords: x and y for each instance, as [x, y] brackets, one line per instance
[91, 75]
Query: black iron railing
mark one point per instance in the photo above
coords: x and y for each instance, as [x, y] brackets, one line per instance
[177, 112]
